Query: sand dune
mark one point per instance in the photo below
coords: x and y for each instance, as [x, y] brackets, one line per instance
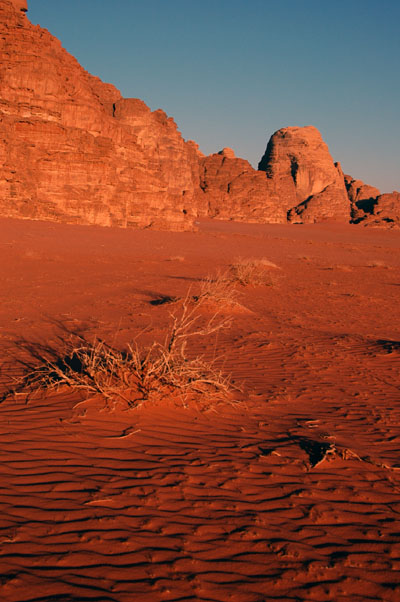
[290, 494]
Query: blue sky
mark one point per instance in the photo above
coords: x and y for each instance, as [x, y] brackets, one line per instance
[232, 72]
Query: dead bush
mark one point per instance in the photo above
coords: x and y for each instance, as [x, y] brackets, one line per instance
[252, 272]
[136, 374]
[219, 289]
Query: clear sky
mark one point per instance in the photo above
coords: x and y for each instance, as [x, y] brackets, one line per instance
[232, 72]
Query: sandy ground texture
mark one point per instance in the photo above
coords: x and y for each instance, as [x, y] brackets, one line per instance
[291, 494]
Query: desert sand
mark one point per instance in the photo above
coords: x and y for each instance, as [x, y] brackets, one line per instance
[292, 493]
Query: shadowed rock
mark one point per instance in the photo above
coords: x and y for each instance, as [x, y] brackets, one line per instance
[385, 211]
[361, 196]
[371, 208]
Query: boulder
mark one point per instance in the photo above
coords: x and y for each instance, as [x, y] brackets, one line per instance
[371, 208]
[386, 210]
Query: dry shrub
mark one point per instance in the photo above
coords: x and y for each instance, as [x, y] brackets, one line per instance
[218, 289]
[132, 376]
[377, 264]
[253, 272]
[176, 258]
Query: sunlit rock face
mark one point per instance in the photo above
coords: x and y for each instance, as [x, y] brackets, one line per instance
[381, 212]
[305, 177]
[73, 150]
[21, 5]
[297, 181]
[232, 189]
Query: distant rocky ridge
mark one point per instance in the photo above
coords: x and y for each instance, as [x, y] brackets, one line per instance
[371, 208]
[73, 150]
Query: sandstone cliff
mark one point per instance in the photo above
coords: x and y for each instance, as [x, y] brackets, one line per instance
[297, 181]
[71, 149]
[299, 164]
[232, 189]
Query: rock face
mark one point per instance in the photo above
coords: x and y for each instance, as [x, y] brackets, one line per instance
[20, 5]
[72, 149]
[232, 189]
[371, 208]
[361, 196]
[305, 178]
[386, 211]
[382, 211]
[297, 181]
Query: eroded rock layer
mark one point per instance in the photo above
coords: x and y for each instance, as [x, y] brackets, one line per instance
[382, 211]
[232, 189]
[72, 149]
[297, 181]
[302, 170]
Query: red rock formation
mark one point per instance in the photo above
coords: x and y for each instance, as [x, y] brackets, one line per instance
[232, 189]
[73, 150]
[20, 5]
[305, 177]
[297, 180]
[386, 210]
[382, 211]
[361, 196]
[371, 208]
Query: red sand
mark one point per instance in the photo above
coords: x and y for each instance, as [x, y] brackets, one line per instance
[217, 504]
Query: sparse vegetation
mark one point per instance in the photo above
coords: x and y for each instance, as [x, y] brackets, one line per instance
[136, 374]
[377, 264]
[252, 272]
[219, 289]
[176, 258]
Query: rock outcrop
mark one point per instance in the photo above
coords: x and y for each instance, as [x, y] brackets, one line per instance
[371, 208]
[385, 211]
[305, 177]
[233, 189]
[361, 196]
[21, 5]
[379, 212]
[72, 149]
[297, 180]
